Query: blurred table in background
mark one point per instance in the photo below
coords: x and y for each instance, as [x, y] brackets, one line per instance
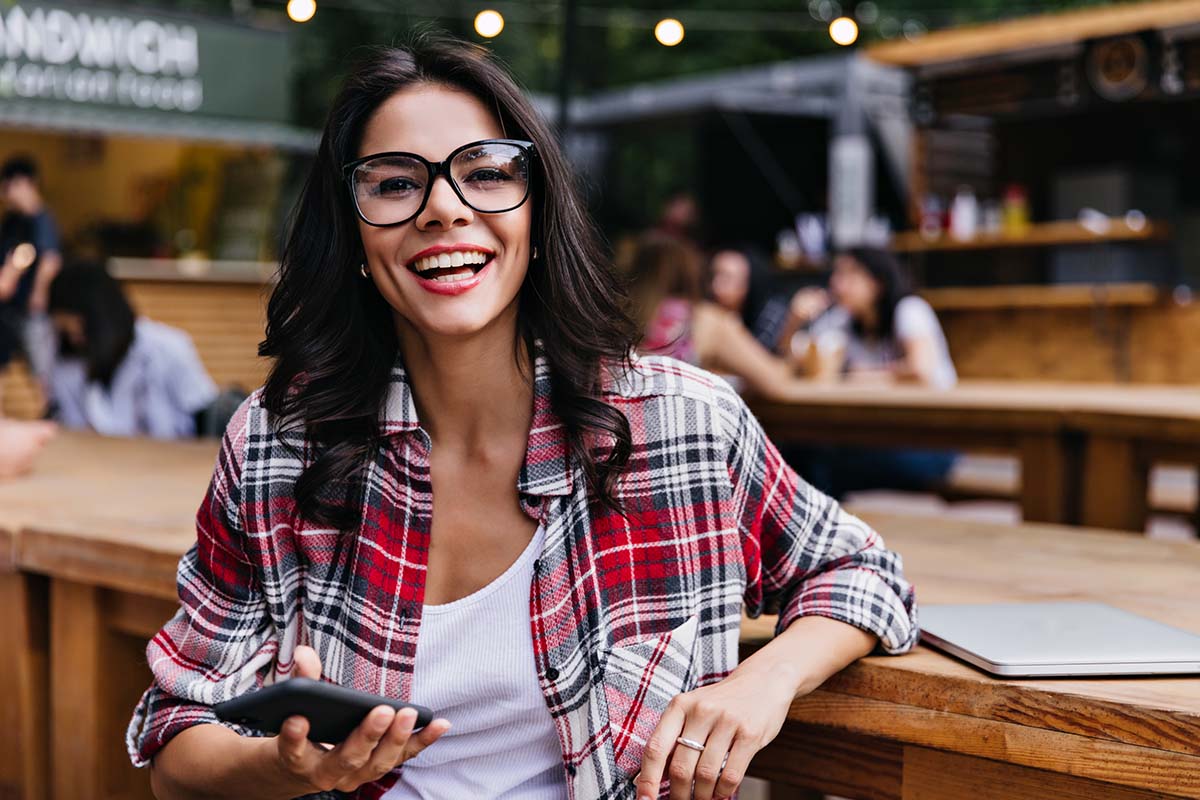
[89, 545]
[1085, 450]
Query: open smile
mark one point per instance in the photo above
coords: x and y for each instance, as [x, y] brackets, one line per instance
[450, 264]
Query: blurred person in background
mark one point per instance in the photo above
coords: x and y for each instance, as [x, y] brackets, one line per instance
[666, 292]
[116, 373]
[30, 258]
[881, 330]
[876, 331]
[20, 442]
[740, 281]
[680, 217]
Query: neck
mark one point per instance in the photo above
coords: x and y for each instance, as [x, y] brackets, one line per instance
[470, 391]
[869, 319]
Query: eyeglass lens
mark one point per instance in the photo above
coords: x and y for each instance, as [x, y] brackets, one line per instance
[492, 178]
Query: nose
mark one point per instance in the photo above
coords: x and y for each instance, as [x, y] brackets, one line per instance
[444, 209]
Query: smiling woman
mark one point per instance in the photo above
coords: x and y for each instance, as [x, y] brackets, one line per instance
[460, 487]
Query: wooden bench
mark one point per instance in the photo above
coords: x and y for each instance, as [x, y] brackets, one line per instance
[1173, 487]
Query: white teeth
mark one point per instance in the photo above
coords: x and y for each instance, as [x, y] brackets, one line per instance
[455, 258]
[454, 278]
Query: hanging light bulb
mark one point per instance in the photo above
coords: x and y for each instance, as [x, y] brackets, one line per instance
[843, 31]
[301, 10]
[489, 23]
[669, 32]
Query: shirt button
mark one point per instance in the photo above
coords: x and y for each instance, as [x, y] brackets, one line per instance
[537, 565]
[551, 674]
[571, 770]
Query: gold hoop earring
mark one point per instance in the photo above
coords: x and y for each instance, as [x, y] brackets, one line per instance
[362, 268]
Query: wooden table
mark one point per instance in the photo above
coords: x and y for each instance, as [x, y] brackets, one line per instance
[1085, 450]
[918, 726]
[925, 726]
[96, 533]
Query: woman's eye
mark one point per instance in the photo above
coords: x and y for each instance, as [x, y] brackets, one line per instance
[396, 186]
[490, 175]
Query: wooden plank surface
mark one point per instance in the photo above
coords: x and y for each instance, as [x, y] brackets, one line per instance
[1042, 234]
[126, 490]
[951, 561]
[991, 298]
[1031, 32]
[129, 519]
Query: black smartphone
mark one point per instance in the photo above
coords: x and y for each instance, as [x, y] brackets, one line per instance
[332, 711]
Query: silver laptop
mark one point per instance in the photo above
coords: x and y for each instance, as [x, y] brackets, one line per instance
[1067, 638]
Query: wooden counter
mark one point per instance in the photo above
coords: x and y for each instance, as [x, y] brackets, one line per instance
[102, 522]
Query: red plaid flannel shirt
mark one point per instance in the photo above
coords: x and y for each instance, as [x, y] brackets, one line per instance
[626, 611]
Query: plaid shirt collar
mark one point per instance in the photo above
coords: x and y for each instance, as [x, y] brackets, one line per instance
[547, 470]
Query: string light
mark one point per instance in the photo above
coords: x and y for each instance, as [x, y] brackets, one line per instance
[843, 31]
[489, 23]
[669, 32]
[301, 10]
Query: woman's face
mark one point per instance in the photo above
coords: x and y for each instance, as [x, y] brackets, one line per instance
[432, 121]
[730, 279]
[853, 288]
[70, 328]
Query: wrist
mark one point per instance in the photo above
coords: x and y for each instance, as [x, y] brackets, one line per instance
[778, 670]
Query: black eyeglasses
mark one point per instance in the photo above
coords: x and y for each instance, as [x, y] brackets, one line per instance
[490, 176]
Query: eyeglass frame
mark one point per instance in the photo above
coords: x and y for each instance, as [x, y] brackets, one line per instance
[436, 168]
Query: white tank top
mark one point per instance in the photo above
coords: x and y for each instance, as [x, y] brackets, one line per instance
[475, 667]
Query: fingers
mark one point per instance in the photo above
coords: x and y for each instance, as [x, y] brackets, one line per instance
[307, 663]
[341, 764]
[428, 735]
[293, 744]
[392, 746]
[682, 768]
[712, 762]
[736, 765]
[658, 750]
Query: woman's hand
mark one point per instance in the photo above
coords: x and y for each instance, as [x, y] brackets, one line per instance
[738, 716]
[380, 743]
[809, 303]
[743, 713]
[20, 442]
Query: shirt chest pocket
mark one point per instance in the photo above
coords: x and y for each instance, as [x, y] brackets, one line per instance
[640, 679]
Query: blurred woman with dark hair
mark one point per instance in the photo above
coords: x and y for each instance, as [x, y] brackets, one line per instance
[877, 331]
[880, 329]
[460, 488]
[116, 373]
[740, 281]
[666, 292]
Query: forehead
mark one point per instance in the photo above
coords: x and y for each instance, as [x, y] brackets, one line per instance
[428, 120]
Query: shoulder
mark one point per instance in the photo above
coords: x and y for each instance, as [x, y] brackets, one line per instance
[914, 304]
[160, 337]
[914, 315]
[706, 313]
[685, 395]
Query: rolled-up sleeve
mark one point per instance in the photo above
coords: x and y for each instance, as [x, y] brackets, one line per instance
[804, 554]
[222, 640]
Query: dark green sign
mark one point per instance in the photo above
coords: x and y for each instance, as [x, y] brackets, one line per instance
[125, 59]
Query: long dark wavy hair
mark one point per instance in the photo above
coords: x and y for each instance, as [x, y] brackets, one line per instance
[331, 333]
[893, 287]
[88, 290]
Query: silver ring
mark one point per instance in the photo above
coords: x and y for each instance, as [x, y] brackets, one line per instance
[691, 744]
